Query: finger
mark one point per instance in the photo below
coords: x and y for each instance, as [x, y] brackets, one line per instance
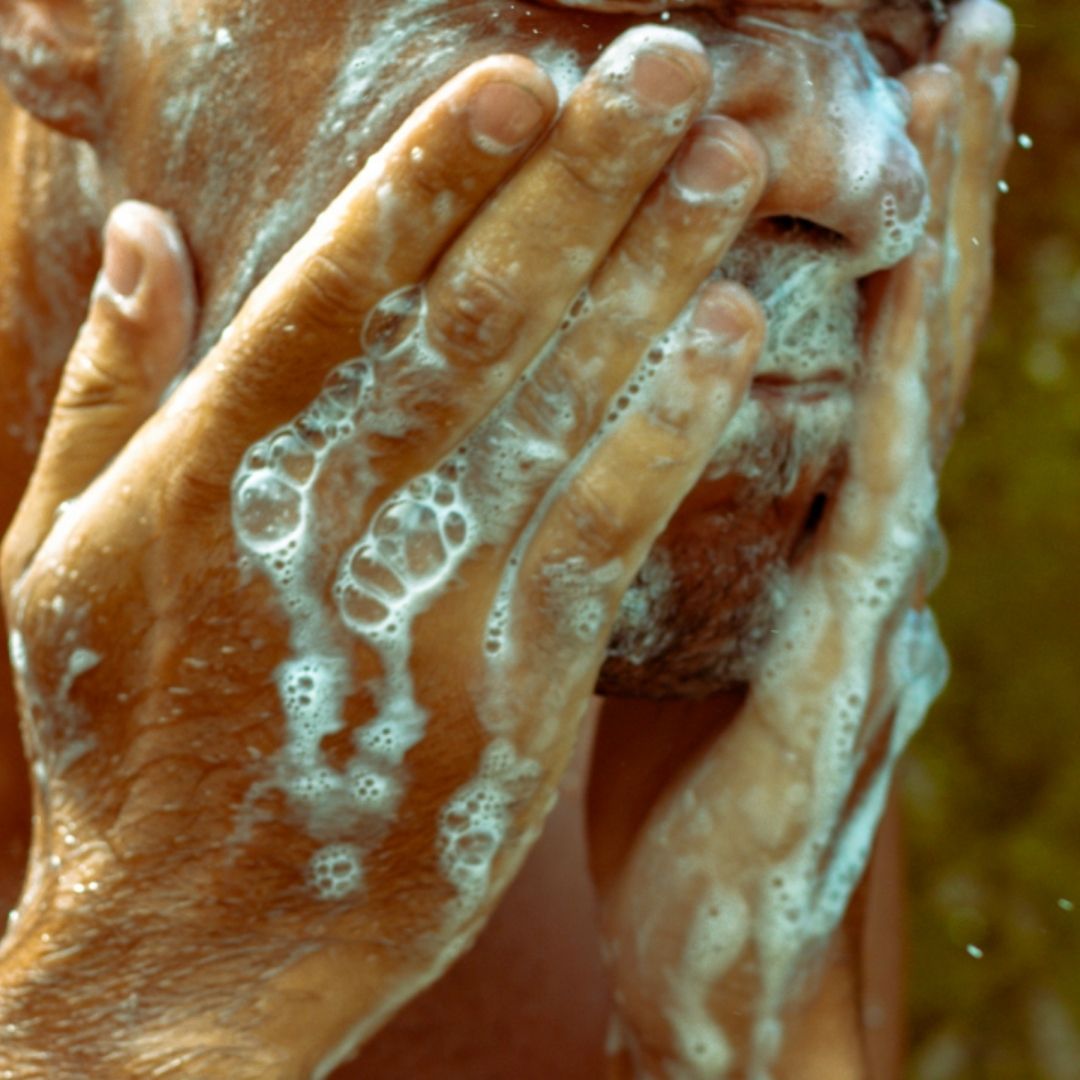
[501, 291]
[134, 341]
[384, 231]
[976, 44]
[677, 238]
[935, 91]
[935, 121]
[889, 486]
[600, 521]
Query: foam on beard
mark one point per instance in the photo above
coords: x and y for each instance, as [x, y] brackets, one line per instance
[705, 599]
[703, 604]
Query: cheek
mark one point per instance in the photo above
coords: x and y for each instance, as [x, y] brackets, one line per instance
[712, 588]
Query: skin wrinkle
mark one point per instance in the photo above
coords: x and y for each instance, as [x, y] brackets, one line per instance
[451, 776]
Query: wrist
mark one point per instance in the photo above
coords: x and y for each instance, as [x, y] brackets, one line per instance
[125, 994]
[69, 1014]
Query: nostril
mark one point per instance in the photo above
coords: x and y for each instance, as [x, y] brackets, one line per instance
[787, 227]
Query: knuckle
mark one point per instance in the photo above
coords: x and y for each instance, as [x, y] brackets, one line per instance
[195, 491]
[555, 405]
[435, 180]
[673, 421]
[642, 258]
[601, 523]
[598, 177]
[331, 289]
[90, 382]
[474, 318]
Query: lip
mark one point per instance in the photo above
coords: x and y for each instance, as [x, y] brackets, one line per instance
[778, 387]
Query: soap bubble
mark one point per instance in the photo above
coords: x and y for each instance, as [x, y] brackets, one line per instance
[268, 511]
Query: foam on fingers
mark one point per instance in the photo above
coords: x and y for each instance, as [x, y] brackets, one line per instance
[597, 523]
[381, 234]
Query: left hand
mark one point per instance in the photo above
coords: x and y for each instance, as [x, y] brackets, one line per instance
[728, 837]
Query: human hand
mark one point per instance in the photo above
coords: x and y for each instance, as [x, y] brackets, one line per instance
[302, 654]
[726, 852]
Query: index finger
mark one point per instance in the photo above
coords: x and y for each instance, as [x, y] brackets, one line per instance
[383, 231]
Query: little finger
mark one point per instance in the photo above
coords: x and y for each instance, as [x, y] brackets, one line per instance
[976, 44]
[889, 487]
[935, 120]
[598, 522]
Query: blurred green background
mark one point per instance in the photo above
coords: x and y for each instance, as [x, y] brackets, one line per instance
[992, 790]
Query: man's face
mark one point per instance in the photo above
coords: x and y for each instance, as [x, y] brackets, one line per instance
[285, 103]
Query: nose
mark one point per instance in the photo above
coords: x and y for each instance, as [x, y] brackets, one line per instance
[842, 167]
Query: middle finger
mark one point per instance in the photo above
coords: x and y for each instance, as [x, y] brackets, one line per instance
[678, 236]
[499, 294]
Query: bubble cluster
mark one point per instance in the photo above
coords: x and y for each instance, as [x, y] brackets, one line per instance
[412, 545]
[276, 526]
[272, 491]
[472, 827]
[474, 822]
[897, 236]
[335, 871]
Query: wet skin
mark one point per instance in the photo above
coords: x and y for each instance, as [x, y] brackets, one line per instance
[782, 70]
[205, 123]
[217, 290]
[732, 534]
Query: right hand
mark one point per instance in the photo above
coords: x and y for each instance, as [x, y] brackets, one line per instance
[281, 781]
[726, 867]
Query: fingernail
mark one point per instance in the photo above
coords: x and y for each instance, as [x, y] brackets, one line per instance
[719, 314]
[660, 82]
[125, 261]
[503, 115]
[709, 164]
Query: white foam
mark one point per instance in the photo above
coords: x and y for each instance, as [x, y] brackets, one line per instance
[474, 822]
[336, 871]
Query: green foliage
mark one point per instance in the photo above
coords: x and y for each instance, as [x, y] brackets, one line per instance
[992, 792]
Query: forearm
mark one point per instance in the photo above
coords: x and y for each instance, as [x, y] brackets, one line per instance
[728, 942]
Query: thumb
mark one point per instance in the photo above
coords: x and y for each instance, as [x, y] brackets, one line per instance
[132, 344]
[134, 340]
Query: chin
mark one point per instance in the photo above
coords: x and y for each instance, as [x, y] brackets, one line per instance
[705, 602]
